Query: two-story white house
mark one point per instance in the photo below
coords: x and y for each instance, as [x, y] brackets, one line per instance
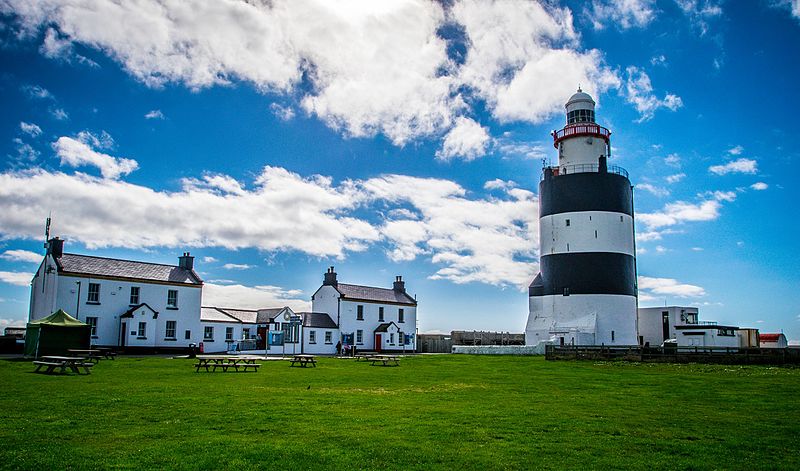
[378, 319]
[128, 303]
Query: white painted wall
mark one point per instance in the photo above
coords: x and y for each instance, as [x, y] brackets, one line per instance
[650, 321]
[615, 313]
[710, 338]
[614, 232]
[320, 347]
[581, 150]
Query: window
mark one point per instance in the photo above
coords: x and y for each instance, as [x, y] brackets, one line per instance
[312, 336]
[188, 335]
[380, 314]
[208, 334]
[612, 335]
[172, 298]
[92, 321]
[171, 330]
[567, 222]
[580, 116]
[142, 330]
[360, 312]
[359, 337]
[134, 295]
[595, 234]
[229, 334]
[94, 293]
[245, 334]
[400, 315]
[391, 338]
[328, 337]
[566, 291]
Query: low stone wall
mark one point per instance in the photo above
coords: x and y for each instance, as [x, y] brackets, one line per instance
[499, 349]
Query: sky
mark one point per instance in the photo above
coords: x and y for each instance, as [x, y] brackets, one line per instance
[275, 139]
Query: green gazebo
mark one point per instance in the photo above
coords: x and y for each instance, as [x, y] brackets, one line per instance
[55, 334]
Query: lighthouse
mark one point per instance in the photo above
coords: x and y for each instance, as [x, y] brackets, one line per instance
[585, 292]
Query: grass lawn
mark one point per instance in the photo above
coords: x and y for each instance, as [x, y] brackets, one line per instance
[446, 411]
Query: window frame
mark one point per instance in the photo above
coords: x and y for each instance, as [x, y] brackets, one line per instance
[172, 303]
[134, 298]
[401, 316]
[141, 332]
[312, 336]
[229, 334]
[328, 337]
[359, 337]
[360, 312]
[93, 295]
[92, 321]
[174, 330]
[380, 314]
[208, 329]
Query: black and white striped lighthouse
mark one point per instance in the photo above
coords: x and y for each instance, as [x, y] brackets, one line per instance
[585, 292]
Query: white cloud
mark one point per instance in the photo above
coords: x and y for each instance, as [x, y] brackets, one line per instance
[77, 153]
[25, 152]
[237, 266]
[737, 150]
[724, 195]
[56, 46]
[22, 256]
[660, 59]
[759, 186]
[506, 147]
[466, 140]
[675, 178]
[220, 184]
[742, 165]
[655, 190]
[154, 114]
[638, 91]
[697, 249]
[669, 287]
[210, 260]
[700, 12]
[673, 160]
[625, 13]
[37, 92]
[498, 184]
[680, 212]
[253, 297]
[30, 129]
[16, 278]
[284, 113]
[792, 6]
[59, 114]
[661, 249]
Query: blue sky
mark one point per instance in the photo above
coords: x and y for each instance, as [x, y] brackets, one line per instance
[406, 138]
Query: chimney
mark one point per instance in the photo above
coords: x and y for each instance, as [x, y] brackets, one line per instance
[399, 284]
[55, 247]
[186, 261]
[330, 278]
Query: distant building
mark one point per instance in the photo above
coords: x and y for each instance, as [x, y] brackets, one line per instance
[657, 324]
[773, 341]
[127, 303]
[378, 319]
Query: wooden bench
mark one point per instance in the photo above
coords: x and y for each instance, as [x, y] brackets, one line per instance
[385, 360]
[304, 360]
[226, 366]
[63, 365]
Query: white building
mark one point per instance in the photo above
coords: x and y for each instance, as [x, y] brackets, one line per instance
[377, 319]
[657, 324]
[585, 292]
[773, 341]
[127, 303]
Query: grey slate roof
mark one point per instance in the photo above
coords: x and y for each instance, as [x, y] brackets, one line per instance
[385, 327]
[265, 316]
[213, 314]
[111, 267]
[369, 293]
[245, 315]
[317, 319]
[129, 312]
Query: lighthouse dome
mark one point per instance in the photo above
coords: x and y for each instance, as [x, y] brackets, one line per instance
[580, 108]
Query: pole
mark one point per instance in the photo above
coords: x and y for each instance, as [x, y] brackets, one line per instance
[78, 303]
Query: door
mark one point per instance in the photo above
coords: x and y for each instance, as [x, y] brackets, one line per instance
[378, 343]
[261, 338]
[665, 325]
[123, 335]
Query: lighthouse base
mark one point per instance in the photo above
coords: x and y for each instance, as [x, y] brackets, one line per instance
[591, 319]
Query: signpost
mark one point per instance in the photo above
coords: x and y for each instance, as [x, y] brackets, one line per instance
[295, 322]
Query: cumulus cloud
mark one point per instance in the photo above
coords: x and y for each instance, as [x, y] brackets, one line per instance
[253, 297]
[742, 165]
[673, 160]
[652, 189]
[737, 150]
[154, 114]
[467, 140]
[30, 129]
[56, 46]
[363, 69]
[759, 186]
[498, 184]
[16, 278]
[680, 212]
[675, 178]
[210, 260]
[625, 13]
[700, 12]
[507, 147]
[25, 152]
[284, 113]
[78, 152]
[59, 114]
[638, 91]
[237, 266]
[660, 287]
[22, 256]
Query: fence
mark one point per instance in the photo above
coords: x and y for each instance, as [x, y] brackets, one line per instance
[722, 355]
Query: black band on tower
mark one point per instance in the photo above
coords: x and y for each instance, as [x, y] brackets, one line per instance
[591, 191]
[585, 273]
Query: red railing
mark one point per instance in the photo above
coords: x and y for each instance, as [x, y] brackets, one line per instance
[582, 129]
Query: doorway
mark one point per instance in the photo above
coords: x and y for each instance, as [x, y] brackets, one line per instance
[665, 325]
[378, 343]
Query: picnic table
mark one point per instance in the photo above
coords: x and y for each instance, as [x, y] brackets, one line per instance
[91, 354]
[108, 353]
[62, 362]
[385, 360]
[226, 362]
[304, 360]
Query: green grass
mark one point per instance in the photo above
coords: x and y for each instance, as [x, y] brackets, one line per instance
[449, 411]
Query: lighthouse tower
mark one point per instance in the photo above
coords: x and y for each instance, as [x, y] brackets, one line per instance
[585, 292]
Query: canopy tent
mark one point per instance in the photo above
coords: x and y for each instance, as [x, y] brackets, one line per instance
[55, 334]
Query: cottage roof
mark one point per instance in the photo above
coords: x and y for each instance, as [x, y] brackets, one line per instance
[116, 268]
[385, 327]
[265, 316]
[129, 312]
[317, 319]
[769, 337]
[214, 314]
[370, 293]
[248, 316]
